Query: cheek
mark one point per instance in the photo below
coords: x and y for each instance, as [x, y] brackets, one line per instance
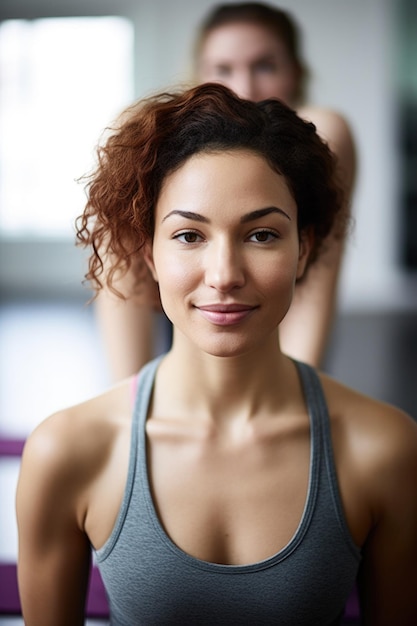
[175, 274]
[279, 272]
[282, 86]
[283, 281]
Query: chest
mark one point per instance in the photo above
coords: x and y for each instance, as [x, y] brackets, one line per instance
[222, 535]
[230, 502]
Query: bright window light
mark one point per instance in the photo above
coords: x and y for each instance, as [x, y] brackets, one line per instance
[62, 82]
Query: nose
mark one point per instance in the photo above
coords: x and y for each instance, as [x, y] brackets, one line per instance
[244, 85]
[224, 269]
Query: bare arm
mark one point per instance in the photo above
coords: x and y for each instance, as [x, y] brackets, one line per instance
[305, 330]
[388, 577]
[54, 553]
[127, 327]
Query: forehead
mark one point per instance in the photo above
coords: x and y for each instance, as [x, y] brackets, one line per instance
[235, 180]
[240, 40]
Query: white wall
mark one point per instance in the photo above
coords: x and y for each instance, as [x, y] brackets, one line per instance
[350, 47]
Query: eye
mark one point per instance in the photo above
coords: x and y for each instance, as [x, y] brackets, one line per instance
[267, 67]
[222, 71]
[188, 236]
[263, 236]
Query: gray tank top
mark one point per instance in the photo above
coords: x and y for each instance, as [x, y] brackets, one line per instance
[150, 581]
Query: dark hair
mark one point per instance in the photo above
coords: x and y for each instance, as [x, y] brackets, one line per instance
[158, 134]
[277, 21]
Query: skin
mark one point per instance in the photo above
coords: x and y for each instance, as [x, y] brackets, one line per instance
[255, 64]
[227, 430]
[127, 325]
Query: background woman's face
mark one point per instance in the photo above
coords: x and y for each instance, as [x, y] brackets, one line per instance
[250, 60]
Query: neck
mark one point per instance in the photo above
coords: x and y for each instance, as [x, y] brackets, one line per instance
[216, 388]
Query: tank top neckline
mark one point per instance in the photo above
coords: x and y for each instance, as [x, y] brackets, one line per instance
[145, 387]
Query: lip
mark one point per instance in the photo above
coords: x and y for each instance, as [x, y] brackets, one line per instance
[226, 314]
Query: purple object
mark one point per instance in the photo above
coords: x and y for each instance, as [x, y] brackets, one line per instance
[11, 447]
[97, 605]
[352, 611]
[9, 595]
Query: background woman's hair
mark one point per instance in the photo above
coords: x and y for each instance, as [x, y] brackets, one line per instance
[278, 22]
[157, 135]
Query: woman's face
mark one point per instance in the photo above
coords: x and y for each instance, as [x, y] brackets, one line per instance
[226, 251]
[250, 60]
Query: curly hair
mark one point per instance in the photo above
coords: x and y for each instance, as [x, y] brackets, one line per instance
[157, 135]
[278, 22]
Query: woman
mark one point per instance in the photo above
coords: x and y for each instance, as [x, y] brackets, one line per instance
[246, 488]
[253, 49]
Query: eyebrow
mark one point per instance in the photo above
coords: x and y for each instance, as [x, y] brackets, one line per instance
[269, 57]
[254, 215]
[249, 217]
[189, 215]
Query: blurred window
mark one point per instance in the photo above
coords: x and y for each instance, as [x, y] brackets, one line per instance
[62, 81]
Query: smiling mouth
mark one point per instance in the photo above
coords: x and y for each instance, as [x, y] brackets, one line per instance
[226, 314]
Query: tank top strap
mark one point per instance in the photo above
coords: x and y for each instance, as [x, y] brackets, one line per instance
[315, 400]
[144, 387]
[319, 414]
[321, 436]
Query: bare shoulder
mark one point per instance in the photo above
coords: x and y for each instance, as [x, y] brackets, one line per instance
[333, 127]
[330, 124]
[380, 439]
[366, 415]
[74, 443]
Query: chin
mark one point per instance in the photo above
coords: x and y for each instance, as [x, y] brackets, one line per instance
[226, 348]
